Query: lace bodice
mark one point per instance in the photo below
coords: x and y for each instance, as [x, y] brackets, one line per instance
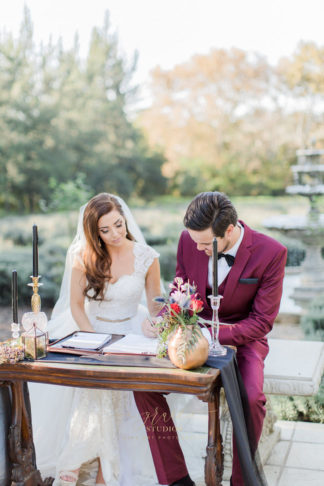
[123, 296]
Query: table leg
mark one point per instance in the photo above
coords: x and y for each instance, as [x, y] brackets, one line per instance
[21, 447]
[214, 462]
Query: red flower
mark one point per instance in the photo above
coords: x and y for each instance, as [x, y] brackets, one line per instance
[176, 309]
[196, 305]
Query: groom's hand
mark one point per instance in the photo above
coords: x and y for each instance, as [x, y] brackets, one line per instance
[148, 329]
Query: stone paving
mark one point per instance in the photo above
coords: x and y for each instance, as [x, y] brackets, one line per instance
[296, 460]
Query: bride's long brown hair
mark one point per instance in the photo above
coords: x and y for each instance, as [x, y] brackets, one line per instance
[96, 257]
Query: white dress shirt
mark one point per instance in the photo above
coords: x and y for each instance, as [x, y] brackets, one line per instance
[222, 265]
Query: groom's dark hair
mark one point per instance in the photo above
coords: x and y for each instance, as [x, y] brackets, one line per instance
[210, 210]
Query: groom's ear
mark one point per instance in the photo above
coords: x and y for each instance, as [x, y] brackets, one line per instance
[229, 230]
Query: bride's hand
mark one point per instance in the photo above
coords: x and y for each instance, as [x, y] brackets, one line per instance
[148, 329]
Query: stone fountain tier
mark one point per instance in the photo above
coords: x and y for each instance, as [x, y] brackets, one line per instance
[305, 155]
[306, 190]
[308, 176]
[308, 173]
[309, 230]
[295, 225]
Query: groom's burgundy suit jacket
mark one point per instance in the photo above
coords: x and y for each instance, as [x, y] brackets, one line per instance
[251, 291]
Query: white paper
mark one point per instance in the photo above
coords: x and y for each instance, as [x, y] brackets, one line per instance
[133, 344]
[85, 340]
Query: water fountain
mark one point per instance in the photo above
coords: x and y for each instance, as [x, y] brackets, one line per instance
[308, 181]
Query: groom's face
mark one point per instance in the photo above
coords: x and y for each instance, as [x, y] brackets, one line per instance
[204, 240]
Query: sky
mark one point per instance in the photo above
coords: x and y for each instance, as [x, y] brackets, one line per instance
[169, 32]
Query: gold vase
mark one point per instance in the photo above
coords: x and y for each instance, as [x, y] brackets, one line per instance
[191, 358]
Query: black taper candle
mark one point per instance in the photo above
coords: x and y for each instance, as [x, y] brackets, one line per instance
[14, 296]
[215, 268]
[35, 251]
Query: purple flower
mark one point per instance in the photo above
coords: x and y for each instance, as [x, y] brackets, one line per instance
[160, 299]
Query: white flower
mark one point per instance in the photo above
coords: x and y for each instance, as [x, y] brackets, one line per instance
[180, 298]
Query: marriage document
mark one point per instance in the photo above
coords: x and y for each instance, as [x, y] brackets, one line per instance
[133, 344]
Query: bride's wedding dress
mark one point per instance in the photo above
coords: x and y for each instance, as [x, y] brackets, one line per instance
[74, 425]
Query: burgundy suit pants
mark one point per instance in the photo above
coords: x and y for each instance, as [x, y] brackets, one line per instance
[163, 439]
[250, 360]
[167, 455]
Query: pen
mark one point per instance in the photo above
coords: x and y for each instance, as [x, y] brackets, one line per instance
[150, 320]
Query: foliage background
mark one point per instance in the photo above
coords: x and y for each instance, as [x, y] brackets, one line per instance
[226, 120]
[63, 124]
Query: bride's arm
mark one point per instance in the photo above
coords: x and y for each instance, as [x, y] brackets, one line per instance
[78, 283]
[153, 287]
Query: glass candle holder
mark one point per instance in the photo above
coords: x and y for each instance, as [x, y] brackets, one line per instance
[15, 333]
[215, 348]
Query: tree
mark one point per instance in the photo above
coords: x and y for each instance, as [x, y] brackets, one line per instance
[302, 79]
[63, 118]
[222, 124]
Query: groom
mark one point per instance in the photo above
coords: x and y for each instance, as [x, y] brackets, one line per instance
[250, 274]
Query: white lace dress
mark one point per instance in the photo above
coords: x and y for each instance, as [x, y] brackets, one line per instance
[74, 425]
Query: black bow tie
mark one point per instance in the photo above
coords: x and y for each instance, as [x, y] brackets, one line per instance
[229, 258]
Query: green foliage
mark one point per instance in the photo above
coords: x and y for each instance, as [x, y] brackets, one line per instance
[20, 235]
[148, 179]
[168, 260]
[67, 195]
[295, 255]
[304, 409]
[161, 222]
[313, 321]
[295, 250]
[20, 260]
[233, 128]
[63, 124]
[308, 409]
[268, 175]
[51, 263]
[154, 240]
[190, 178]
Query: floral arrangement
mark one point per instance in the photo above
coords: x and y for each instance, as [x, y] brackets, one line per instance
[181, 311]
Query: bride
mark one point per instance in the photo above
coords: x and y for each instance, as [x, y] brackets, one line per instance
[108, 266]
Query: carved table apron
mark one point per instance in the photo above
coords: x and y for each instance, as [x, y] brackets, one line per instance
[204, 382]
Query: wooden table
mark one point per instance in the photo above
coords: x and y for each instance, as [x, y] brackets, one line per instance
[205, 383]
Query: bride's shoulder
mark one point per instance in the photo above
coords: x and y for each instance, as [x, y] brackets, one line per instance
[145, 254]
[145, 249]
[78, 260]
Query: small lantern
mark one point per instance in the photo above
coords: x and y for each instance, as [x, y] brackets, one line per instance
[35, 337]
